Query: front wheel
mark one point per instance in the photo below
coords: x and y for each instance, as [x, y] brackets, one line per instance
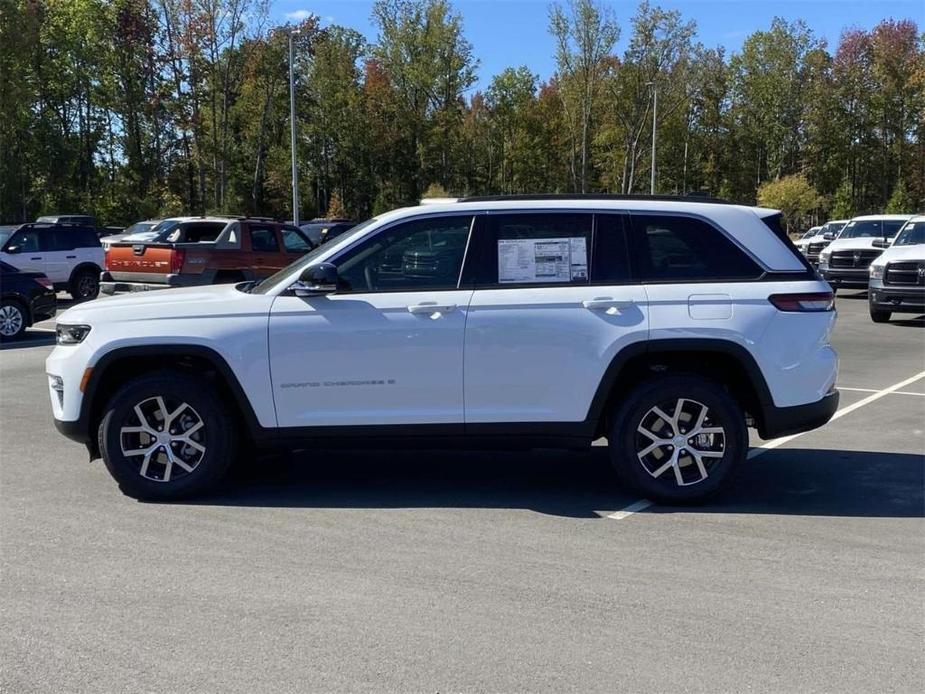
[166, 436]
[677, 439]
[879, 316]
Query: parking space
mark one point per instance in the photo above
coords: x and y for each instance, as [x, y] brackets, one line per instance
[441, 571]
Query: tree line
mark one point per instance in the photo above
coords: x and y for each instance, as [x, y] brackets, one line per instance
[134, 109]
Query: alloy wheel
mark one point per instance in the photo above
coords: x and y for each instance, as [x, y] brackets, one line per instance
[679, 437]
[11, 320]
[86, 286]
[167, 435]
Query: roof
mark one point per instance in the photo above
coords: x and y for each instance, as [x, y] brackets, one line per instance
[867, 217]
[622, 203]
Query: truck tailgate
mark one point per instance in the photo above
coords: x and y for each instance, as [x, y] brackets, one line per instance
[140, 262]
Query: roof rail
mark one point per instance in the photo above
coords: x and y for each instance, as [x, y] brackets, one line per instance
[597, 196]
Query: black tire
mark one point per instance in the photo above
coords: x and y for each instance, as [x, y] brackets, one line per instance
[84, 284]
[13, 319]
[878, 316]
[215, 437]
[626, 442]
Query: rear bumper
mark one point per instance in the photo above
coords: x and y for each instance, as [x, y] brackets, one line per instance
[111, 285]
[44, 307]
[783, 421]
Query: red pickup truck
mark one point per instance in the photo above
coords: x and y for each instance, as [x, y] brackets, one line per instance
[191, 251]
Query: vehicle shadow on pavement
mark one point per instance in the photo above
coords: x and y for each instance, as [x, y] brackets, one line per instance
[811, 482]
[576, 485]
[30, 339]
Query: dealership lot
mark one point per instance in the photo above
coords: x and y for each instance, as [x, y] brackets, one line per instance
[447, 571]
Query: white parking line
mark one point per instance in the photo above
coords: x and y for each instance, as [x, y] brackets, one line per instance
[876, 395]
[643, 504]
[874, 390]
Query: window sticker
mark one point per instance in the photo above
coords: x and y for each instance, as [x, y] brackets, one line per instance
[542, 260]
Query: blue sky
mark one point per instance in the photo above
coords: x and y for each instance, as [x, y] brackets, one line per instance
[507, 33]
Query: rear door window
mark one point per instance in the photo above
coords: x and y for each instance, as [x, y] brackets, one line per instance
[610, 258]
[263, 239]
[548, 248]
[71, 238]
[670, 248]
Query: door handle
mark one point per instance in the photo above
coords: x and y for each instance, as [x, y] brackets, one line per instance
[71, 257]
[605, 302]
[431, 307]
[36, 258]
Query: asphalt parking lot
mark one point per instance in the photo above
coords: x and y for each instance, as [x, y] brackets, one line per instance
[445, 571]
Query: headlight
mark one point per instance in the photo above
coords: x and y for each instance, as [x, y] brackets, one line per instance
[72, 334]
[876, 272]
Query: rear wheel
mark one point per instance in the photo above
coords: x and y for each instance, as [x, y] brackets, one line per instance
[85, 284]
[12, 320]
[879, 316]
[676, 440]
[166, 436]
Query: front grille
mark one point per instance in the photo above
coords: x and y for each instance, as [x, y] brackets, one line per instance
[816, 248]
[853, 259]
[905, 274]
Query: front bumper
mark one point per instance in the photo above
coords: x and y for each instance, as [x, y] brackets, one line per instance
[896, 299]
[845, 277]
[783, 421]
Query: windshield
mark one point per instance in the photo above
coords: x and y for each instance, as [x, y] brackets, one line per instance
[266, 285]
[869, 228]
[911, 235]
[6, 233]
[832, 228]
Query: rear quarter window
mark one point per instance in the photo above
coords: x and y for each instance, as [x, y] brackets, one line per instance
[675, 248]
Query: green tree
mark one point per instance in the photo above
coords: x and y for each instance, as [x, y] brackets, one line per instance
[900, 202]
[585, 33]
[793, 196]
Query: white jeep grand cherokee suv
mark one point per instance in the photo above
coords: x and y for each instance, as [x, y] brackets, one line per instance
[667, 326]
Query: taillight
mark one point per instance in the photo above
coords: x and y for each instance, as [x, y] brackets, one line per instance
[177, 258]
[106, 255]
[803, 303]
[45, 282]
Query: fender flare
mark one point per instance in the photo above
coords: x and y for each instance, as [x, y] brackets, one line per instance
[89, 408]
[679, 345]
[84, 265]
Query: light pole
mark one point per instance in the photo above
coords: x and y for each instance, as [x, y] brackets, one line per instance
[654, 113]
[295, 170]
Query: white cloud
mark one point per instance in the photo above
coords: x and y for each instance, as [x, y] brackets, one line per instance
[298, 15]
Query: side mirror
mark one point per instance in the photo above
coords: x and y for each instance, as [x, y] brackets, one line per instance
[13, 249]
[881, 243]
[829, 236]
[316, 280]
